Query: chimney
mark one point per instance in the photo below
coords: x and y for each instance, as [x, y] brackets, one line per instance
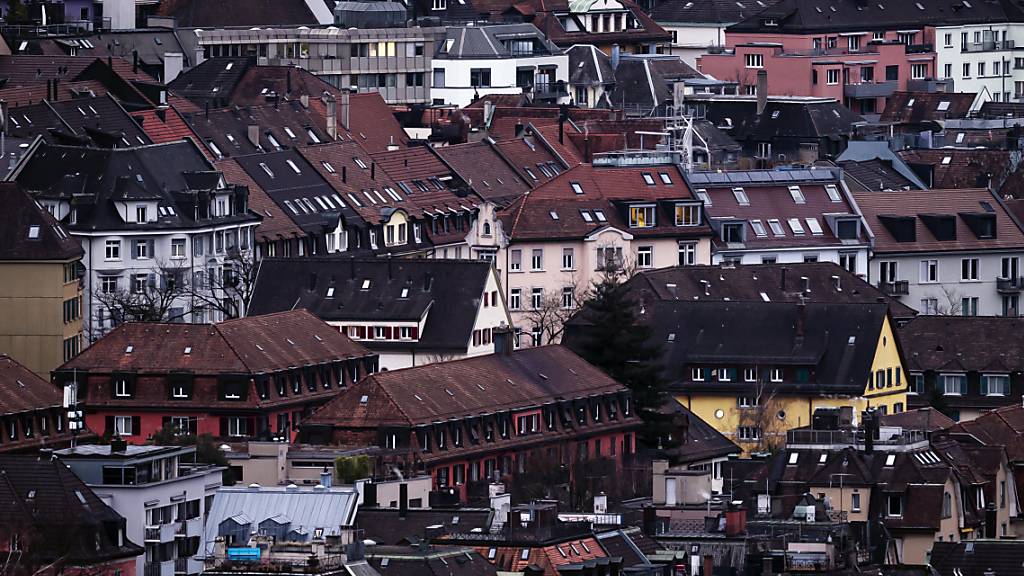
[870, 424]
[312, 281]
[990, 520]
[616, 55]
[403, 500]
[520, 129]
[253, 133]
[805, 284]
[503, 340]
[344, 173]
[135, 61]
[304, 100]
[326, 477]
[118, 445]
[346, 106]
[373, 170]
[762, 91]
[288, 84]
[369, 493]
[332, 117]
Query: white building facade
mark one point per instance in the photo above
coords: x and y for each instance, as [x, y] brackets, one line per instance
[979, 57]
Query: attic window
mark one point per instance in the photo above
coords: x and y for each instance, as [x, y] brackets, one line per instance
[530, 172]
[231, 139]
[366, 284]
[586, 216]
[741, 196]
[273, 142]
[822, 459]
[405, 293]
[267, 169]
[776, 227]
[665, 178]
[910, 102]
[33, 232]
[394, 195]
[759, 228]
[293, 166]
[960, 138]
[775, 114]
[796, 226]
[702, 193]
[793, 457]
[229, 66]
[833, 192]
[814, 226]
[359, 163]
[213, 148]
[797, 195]
[943, 106]
[289, 132]
[312, 136]
[291, 206]
[328, 167]
[648, 179]
[364, 399]
[128, 349]
[947, 160]
[890, 460]
[355, 200]
[188, 350]
[576, 187]
[330, 292]
[599, 214]
[554, 215]
[919, 6]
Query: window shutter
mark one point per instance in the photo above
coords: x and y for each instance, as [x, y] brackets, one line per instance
[193, 425]
[136, 425]
[414, 332]
[224, 426]
[963, 386]
[984, 386]
[151, 281]
[251, 426]
[109, 426]
[165, 421]
[150, 247]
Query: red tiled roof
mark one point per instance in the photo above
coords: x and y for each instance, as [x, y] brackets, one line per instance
[21, 390]
[932, 202]
[528, 152]
[923, 106]
[566, 150]
[170, 128]
[348, 177]
[276, 224]
[548, 558]
[961, 167]
[372, 124]
[486, 171]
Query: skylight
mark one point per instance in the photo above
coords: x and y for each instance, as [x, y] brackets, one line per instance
[586, 216]
[229, 66]
[405, 293]
[702, 193]
[273, 142]
[289, 132]
[796, 226]
[797, 195]
[33, 232]
[833, 192]
[947, 159]
[599, 214]
[741, 196]
[776, 227]
[665, 178]
[328, 167]
[910, 102]
[366, 284]
[129, 349]
[293, 166]
[814, 226]
[355, 200]
[330, 292]
[943, 106]
[267, 169]
[576, 187]
[359, 163]
[648, 179]
[759, 229]
[312, 136]
[793, 457]
[554, 215]
[890, 459]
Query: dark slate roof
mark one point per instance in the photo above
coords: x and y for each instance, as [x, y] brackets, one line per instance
[589, 66]
[67, 522]
[977, 558]
[828, 283]
[707, 11]
[547, 14]
[646, 80]
[976, 343]
[98, 120]
[783, 117]
[875, 174]
[19, 218]
[466, 388]
[927, 418]
[487, 41]
[447, 292]
[486, 170]
[411, 561]
[799, 17]
[227, 13]
[965, 167]
[225, 132]
[384, 526]
[915, 107]
[93, 179]
[993, 110]
[198, 83]
[21, 390]
[700, 441]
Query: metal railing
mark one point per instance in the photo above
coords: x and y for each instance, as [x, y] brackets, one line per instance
[897, 288]
[1009, 285]
[988, 46]
[852, 437]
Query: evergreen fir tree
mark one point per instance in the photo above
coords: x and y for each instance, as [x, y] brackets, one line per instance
[619, 342]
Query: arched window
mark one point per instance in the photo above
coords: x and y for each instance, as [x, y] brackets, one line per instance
[487, 228]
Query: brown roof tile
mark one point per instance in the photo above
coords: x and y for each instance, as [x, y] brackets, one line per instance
[926, 106]
[276, 224]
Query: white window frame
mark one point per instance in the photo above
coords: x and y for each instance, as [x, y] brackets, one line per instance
[123, 426]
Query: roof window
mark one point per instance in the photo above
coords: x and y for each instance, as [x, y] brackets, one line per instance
[776, 227]
[328, 167]
[293, 166]
[943, 106]
[796, 226]
[554, 215]
[665, 178]
[648, 179]
[366, 284]
[267, 169]
[599, 214]
[312, 136]
[797, 195]
[289, 132]
[359, 162]
[586, 216]
[833, 192]
[741, 196]
[33, 232]
[576, 187]
[946, 160]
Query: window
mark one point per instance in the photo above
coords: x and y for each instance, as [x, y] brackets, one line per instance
[741, 196]
[645, 257]
[754, 60]
[995, 385]
[122, 389]
[568, 298]
[537, 259]
[177, 247]
[697, 374]
[238, 426]
[832, 76]
[108, 284]
[568, 259]
[515, 260]
[796, 226]
[732, 232]
[641, 216]
[515, 298]
[750, 375]
[894, 505]
[687, 214]
[853, 43]
[929, 271]
[776, 375]
[748, 433]
[112, 250]
[920, 71]
[142, 251]
[609, 257]
[967, 70]
[947, 70]
[848, 261]
[969, 306]
[776, 227]
[687, 253]
[954, 384]
[969, 269]
[141, 214]
[929, 306]
[797, 195]
[855, 502]
[123, 425]
[947, 40]
[981, 69]
[480, 77]
[536, 298]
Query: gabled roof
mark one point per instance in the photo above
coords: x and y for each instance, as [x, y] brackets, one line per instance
[275, 224]
[466, 388]
[874, 175]
[783, 117]
[860, 154]
[27, 232]
[484, 168]
[915, 216]
[251, 345]
[915, 107]
[928, 419]
[266, 128]
[948, 168]
[475, 42]
[164, 125]
[527, 155]
[444, 293]
[707, 11]
[646, 79]
[97, 120]
[21, 390]
[547, 19]
[979, 343]
[698, 441]
[589, 66]
[385, 526]
[827, 282]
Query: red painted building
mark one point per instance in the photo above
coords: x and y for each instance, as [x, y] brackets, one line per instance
[254, 377]
[471, 421]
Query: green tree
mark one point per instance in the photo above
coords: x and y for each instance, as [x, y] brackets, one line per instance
[617, 341]
[348, 469]
[17, 12]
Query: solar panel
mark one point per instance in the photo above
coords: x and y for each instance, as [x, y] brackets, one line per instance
[699, 178]
[739, 177]
[802, 175]
[822, 175]
[719, 178]
[760, 177]
[781, 176]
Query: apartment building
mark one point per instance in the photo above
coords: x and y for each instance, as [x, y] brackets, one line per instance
[254, 377]
[162, 494]
[393, 61]
[699, 26]
[476, 61]
[782, 216]
[163, 233]
[945, 251]
[408, 311]
[623, 212]
[979, 56]
[41, 296]
[468, 421]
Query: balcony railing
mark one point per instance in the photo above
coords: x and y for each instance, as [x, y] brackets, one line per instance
[805, 437]
[1009, 285]
[870, 89]
[989, 46]
[152, 533]
[920, 48]
[897, 288]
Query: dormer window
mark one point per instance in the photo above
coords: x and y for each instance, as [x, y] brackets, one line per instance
[687, 214]
[733, 233]
[141, 214]
[641, 216]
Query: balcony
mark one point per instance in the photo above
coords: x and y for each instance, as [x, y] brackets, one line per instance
[189, 566]
[920, 48]
[988, 46]
[189, 528]
[897, 288]
[870, 89]
[165, 568]
[890, 439]
[1009, 285]
[930, 85]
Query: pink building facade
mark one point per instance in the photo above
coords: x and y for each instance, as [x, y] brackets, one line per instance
[859, 69]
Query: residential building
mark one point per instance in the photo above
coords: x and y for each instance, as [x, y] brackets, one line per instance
[977, 56]
[976, 558]
[914, 109]
[41, 297]
[34, 415]
[161, 492]
[53, 522]
[699, 27]
[963, 167]
[809, 282]
[393, 61]
[966, 365]
[457, 560]
[755, 369]
[874, 166]
[698, 450]
[783, 216]
[497, 59]
[254, 377]
[77, 122]
[288, 524]
[408, 311]
[615, 214]
[163, 233]
[496, 415]
[276, 463]
[945, 251]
